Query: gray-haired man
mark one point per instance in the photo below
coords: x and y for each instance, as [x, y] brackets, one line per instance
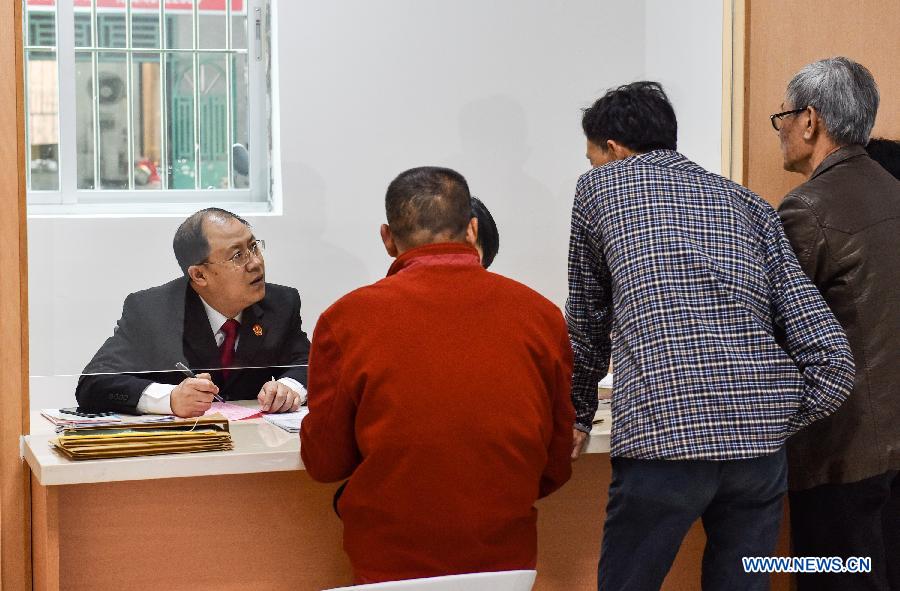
[844, 224]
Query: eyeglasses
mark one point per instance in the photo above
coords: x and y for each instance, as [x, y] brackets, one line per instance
[777, 117]
[242, 257]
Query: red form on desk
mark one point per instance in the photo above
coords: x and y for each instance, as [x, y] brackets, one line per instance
[233, 412]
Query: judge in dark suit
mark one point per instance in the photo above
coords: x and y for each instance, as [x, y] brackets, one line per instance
[221, 314]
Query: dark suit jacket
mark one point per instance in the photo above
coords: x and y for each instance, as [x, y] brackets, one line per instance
[163, 325]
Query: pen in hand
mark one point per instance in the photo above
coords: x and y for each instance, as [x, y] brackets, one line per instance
[187, 371]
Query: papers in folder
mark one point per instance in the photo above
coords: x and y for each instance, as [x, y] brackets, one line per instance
[66, 420]
[289, 421]
[143, 439]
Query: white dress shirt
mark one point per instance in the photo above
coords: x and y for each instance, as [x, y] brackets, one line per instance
[156, 398]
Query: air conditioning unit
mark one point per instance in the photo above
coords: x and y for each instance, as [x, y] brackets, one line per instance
[112, 124]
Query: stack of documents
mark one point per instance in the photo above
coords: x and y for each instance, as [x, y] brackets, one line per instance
[605, 387]
[289, 421]
[59, 418]
[127, 439]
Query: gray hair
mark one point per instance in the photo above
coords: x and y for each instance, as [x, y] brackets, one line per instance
[843, 93]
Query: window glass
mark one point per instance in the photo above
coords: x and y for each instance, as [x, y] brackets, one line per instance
[41, 97]
[156, 102]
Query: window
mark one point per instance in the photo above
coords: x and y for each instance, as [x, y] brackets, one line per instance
[146, 106]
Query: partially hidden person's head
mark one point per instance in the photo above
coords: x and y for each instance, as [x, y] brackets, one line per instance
[886, 153]
[223, 260]
[488, 237]
[631, 119]
[828, 104]
[427, 205]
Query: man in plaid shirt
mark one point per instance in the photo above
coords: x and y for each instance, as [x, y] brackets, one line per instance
[722, 347]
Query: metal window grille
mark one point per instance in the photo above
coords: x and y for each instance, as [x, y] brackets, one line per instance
[144, 114]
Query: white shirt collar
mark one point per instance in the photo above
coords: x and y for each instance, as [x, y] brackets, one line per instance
[216, 318]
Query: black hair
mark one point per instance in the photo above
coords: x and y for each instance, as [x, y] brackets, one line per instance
[638, 116]
[190, 244]
[423, 203]
[886, 153]
[488, 235]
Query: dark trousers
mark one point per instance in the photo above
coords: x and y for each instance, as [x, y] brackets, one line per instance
[856, 519]
[653, 503]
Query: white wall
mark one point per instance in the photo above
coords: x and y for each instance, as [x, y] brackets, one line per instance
[368, 89]
[683, 51]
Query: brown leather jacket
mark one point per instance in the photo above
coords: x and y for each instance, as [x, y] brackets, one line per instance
[844, 225]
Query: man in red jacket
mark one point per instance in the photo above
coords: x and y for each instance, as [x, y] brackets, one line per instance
[443, 392]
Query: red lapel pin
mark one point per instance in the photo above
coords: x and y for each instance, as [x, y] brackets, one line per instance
[257, 330]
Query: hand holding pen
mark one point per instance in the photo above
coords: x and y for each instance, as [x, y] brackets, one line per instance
[194, 395]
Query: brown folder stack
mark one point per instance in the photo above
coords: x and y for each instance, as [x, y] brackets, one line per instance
[141, 439]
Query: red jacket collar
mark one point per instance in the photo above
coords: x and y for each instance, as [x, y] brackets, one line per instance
[443, 253]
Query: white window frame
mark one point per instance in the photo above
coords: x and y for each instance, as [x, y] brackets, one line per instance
[258, 198]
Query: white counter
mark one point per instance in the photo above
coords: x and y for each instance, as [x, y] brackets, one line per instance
[258, 447]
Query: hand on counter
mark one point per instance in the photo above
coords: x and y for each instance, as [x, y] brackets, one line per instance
[579, 438]
[276, 397]
[193, 396]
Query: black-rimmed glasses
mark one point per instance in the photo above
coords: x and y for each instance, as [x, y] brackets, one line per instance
[777, 117]
[242, 257]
